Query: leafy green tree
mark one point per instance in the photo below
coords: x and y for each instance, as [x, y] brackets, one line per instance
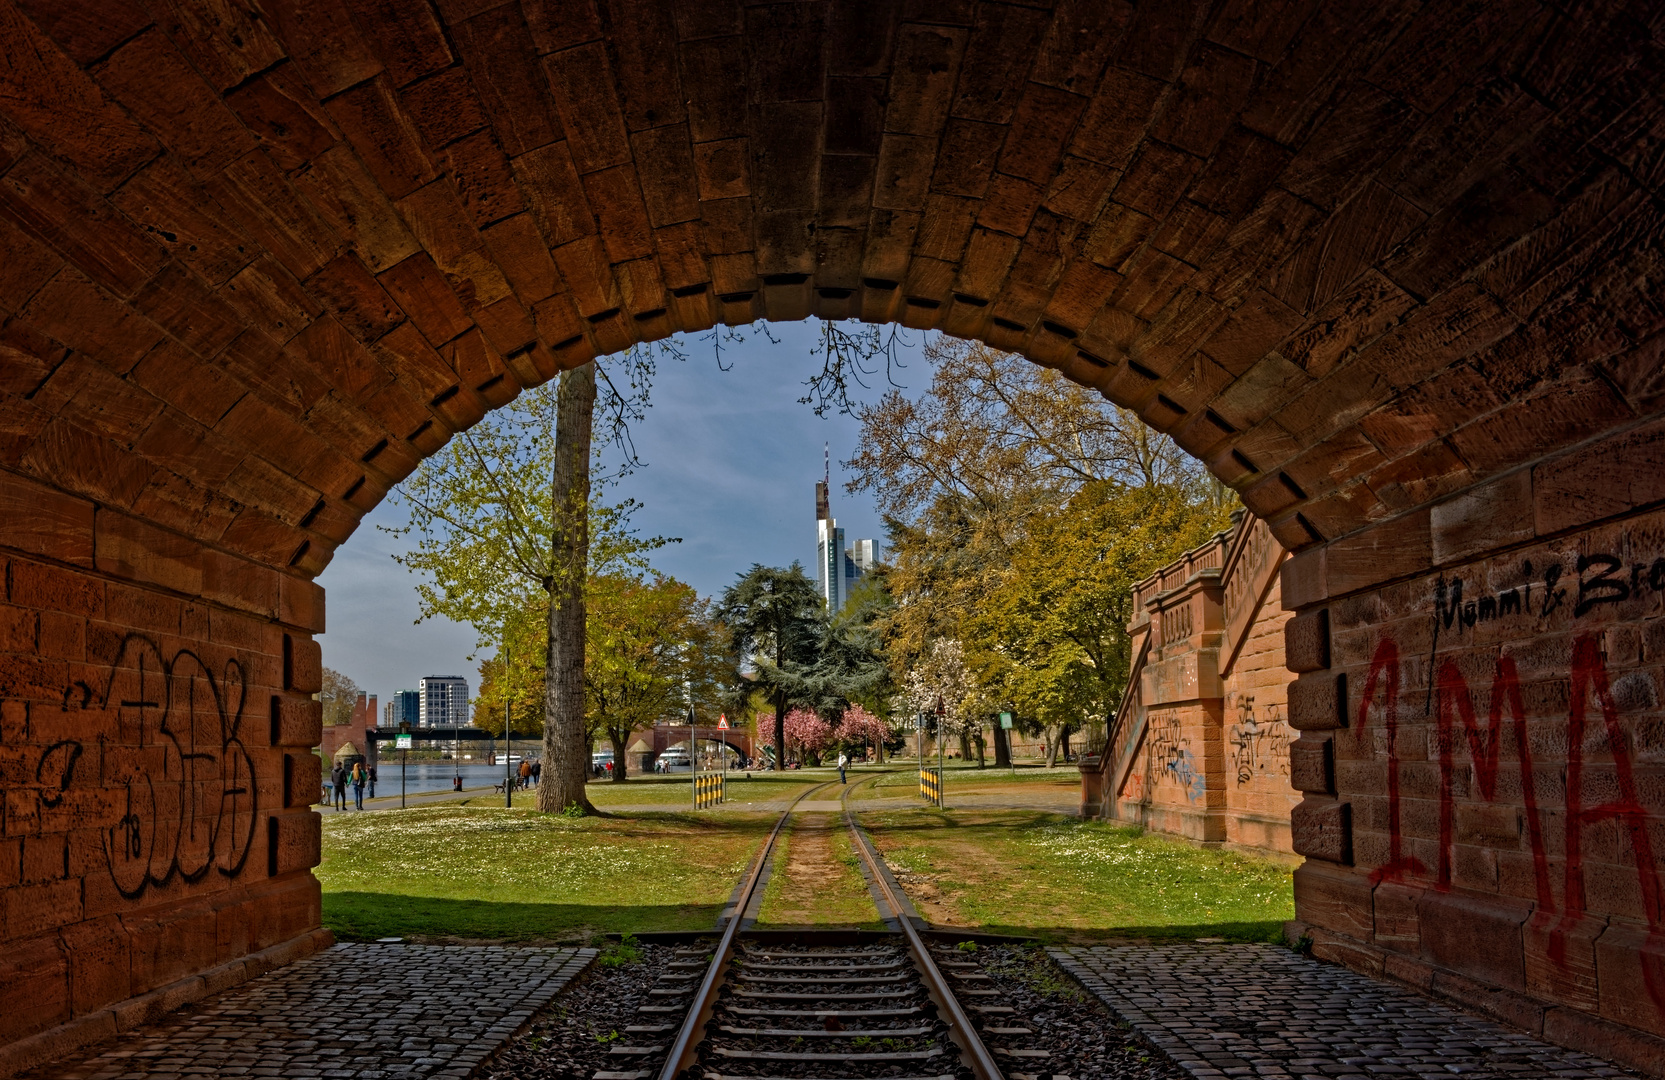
[506, 538]
[775, 620]
[975, 477]
[339, 695]
[1051, 637]
[652, 651]
[851, 666]
[519, 683]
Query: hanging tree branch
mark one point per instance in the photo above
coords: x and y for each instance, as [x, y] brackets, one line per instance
[847, 358]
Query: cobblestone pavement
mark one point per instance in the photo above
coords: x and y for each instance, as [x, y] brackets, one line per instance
[370, 1012]
[1262, 1011]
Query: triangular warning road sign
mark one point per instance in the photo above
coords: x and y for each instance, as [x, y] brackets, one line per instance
[722, 722]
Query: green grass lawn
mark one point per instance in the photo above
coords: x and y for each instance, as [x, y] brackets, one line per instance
[480, 872]
[815, 879]
[462, 872]
[1054, 876]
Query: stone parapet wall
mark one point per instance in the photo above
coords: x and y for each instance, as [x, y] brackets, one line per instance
[155, 750]
[1198, 747]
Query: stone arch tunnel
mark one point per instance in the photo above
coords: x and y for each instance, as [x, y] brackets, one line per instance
[1391, 270]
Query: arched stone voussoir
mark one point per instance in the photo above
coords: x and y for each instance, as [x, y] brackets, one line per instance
[1355, 266]
[1390, 271]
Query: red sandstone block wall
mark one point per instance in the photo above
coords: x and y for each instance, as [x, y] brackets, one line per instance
[157, 778]
[1257, 735]
[1498, 773]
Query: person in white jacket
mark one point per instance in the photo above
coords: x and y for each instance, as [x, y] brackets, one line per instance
[843, 762]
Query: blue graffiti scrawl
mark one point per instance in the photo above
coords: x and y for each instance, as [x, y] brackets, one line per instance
[1170, 757]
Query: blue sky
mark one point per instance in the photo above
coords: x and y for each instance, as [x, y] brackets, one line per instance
[731, 465]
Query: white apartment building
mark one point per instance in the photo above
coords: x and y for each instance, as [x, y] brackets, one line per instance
[442, 701]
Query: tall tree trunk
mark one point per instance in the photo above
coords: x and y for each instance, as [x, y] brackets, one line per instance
[1002, 747]
[619, 741]
[780, 730]
[566, 765]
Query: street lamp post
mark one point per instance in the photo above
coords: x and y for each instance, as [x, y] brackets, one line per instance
[693, 762]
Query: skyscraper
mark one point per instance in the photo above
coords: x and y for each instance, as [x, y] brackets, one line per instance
[829, 552]
[404, 707]
[837, 568]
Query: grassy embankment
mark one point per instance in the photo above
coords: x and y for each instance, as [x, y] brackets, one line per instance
[480, 872]
[815, 879]
[471, 870]
[1052, 876]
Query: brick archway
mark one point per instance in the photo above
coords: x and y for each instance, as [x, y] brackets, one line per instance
[1393, 277]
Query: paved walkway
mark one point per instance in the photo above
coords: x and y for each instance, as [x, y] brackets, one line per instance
[371, 1012]
[1261, 1011]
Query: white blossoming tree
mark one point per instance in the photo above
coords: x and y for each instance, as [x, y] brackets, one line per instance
[942, 676]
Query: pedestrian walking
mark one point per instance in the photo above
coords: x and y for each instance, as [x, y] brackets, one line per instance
[525, 773]
[338, 780]
[843, 763]
[359, 778]
[372, 781]
[537, 770]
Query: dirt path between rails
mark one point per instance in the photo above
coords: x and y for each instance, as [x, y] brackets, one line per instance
[815, 880]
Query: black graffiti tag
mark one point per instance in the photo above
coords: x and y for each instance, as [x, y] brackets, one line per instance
[191, 800]
[57, 766]
[1601, 588]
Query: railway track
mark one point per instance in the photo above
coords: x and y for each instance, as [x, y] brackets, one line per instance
[820, 1005]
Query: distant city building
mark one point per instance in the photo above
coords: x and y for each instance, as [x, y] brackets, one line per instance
[865, 554]
[443, 701]
[838, 568]
[404, 707]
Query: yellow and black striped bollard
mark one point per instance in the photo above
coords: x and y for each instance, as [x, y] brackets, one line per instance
[709, 789]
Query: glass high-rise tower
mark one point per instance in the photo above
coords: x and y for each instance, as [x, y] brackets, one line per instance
[837, 568]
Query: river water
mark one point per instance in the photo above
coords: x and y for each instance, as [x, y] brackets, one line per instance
[428, 776]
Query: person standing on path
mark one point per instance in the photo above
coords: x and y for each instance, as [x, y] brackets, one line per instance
[338, 780]
[525, 773]
[537, 770]
[358, 784]
[843, 763]
[372, 781]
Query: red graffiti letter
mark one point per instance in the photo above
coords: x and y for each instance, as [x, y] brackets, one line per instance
[1589, 675]
[1385, 662]
[1483, 746]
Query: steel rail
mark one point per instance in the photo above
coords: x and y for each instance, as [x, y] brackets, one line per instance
[705, 999]
[960, 1027]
